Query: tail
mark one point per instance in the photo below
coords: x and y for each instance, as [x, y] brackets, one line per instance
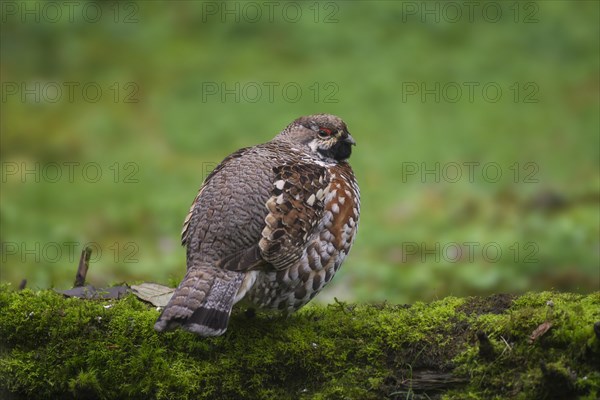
[203, 301]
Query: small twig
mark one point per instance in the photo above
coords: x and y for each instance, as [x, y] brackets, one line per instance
[82, 269]
[341, 304]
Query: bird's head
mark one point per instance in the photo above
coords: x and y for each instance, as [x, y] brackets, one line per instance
[325, 135]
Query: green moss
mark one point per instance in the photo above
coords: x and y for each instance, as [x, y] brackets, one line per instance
[562, 363]
[53, 347]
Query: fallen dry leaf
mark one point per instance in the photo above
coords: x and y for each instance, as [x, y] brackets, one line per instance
[539, 331]
[153, 293]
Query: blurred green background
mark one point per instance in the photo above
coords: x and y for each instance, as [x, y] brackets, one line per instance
[113, 113]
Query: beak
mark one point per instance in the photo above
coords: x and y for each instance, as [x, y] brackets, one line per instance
[346, 137]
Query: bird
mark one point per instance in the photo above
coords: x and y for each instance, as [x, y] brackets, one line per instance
[269, 227]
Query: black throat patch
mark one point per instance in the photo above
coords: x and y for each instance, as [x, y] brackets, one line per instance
[339, 151]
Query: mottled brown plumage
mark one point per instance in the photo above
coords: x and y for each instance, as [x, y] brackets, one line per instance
[270, 225]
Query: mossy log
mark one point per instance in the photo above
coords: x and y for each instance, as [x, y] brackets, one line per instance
[535, 346]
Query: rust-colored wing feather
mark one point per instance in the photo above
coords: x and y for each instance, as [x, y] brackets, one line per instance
[295, 209]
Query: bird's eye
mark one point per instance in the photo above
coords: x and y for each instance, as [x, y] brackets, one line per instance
[324, 132]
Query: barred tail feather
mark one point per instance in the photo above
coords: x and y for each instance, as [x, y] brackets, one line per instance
[203, 301]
